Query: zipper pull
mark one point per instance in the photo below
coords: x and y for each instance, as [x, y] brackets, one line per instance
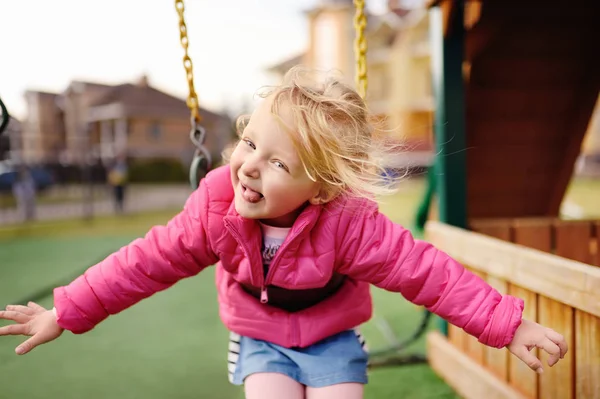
[264, 297]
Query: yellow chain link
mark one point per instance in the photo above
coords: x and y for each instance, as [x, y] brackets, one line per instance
[360, 47]
[192, 100]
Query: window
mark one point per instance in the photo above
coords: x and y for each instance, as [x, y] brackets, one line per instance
[154, 131]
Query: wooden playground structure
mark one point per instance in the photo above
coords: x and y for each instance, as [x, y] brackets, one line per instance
[516, 83]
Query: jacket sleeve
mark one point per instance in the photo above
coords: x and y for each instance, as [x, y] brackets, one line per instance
[376, 250]
[164, 256]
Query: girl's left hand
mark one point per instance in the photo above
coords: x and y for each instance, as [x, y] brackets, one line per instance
[531, 335]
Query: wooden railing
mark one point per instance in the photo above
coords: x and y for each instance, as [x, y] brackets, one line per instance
[552, 266]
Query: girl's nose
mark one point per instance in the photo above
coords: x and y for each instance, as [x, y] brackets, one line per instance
[250, 168]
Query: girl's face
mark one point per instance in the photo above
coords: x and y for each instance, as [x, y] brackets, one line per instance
[268, 178]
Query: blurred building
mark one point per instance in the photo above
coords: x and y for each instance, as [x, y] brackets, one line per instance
[398, 59]
[97, 121]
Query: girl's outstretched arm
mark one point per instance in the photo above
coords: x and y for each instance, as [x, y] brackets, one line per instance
[164, 256]
[376, 250]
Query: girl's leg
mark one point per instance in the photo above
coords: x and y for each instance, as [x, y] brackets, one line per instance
[273, 386]
[338, 391]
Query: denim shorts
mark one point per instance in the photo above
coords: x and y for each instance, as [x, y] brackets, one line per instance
[341, 358]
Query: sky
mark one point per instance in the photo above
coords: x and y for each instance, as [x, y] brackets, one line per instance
[47, 44]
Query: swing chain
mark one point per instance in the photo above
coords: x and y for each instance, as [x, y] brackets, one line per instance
[360, 47]
[201, 162]
[192, 99]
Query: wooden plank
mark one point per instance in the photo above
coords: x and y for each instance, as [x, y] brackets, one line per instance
[520, 376]
[533, 233]
[536, 159]
[533, 71]
[473, 348]
[523, 42]
[541, 13]
[573, 283]
[469, 379]
[537, 234]
[557, 382]
[498, 228]
[509, 101]
[511, 176]
[496, 360]
[587, 357]
[528, 131]
[457, 337]
[503, 203]
[573, 240]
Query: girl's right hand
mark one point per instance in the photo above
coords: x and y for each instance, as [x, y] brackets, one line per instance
[32, 320]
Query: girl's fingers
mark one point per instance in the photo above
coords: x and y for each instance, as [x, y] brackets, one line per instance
[559, 340]
[14, 329]
[21, 308]
[529, 359]
[36, 307]
[31, 343]
[552, 349]
[19, 317]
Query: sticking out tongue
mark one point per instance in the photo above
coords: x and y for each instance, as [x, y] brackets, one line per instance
[251, 195]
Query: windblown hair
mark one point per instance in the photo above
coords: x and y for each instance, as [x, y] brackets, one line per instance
[336, 136]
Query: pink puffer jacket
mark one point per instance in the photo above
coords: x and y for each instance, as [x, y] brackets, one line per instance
[347, 236]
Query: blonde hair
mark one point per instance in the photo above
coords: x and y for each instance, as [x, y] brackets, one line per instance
[336, 136]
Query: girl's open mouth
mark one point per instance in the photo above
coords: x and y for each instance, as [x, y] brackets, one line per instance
[251, 195]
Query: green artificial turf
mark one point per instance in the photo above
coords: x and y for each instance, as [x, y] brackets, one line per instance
[171, 345]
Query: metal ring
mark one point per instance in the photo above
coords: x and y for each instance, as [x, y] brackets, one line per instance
[200, 155]
[197, 135]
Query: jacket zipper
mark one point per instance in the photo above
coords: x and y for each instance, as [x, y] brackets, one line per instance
[279, 253]
[263, 294]
[264, 297]
[294, 329]
[266, 280]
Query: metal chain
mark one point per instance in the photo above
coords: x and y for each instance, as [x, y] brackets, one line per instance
[202, 160]
[360, 47]
[192, 100]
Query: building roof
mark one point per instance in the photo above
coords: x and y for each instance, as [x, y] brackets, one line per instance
[144, 100]
[140, 95]
[40, 93]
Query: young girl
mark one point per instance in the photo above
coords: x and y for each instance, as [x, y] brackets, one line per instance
[297, 240]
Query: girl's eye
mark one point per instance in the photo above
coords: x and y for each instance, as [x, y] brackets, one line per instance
[281, 165]
[250, 143]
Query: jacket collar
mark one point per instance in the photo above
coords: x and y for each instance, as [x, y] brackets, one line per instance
[248, 230]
